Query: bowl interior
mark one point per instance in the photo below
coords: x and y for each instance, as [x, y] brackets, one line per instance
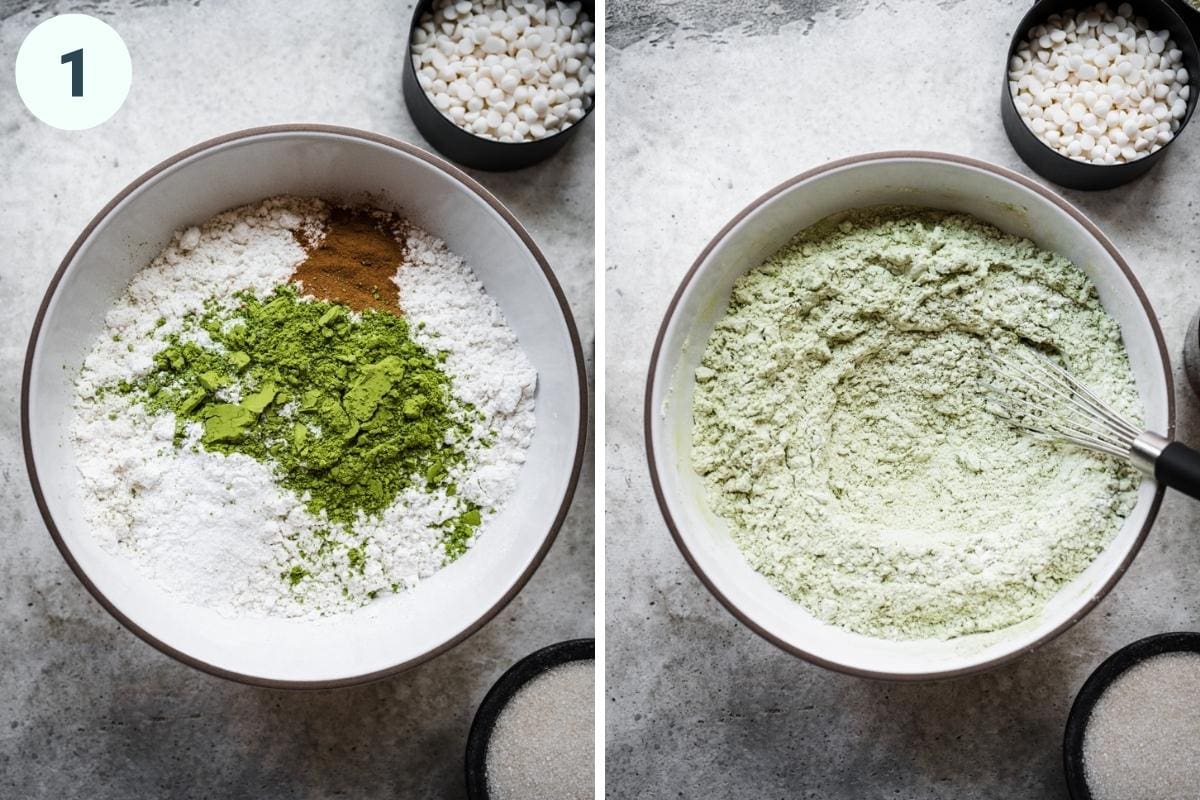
[338, 165]
[914, 180]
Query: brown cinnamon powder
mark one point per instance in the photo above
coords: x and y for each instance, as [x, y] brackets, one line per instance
[355, 263]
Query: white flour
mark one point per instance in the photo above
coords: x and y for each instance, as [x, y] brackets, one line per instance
[438, 288]
[219, 530]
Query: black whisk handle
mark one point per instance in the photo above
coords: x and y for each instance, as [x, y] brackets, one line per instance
[1178, 466]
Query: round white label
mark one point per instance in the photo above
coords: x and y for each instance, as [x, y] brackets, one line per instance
[73, 71]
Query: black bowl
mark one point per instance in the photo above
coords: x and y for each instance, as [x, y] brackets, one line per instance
[497, 698]
[1094, 687]
[1060, 169]
[1191, 353]
[1190, 14]
[463, 146]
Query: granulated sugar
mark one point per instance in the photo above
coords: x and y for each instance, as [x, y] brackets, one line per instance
[1142, 741]
[543, 745]
[217, 528]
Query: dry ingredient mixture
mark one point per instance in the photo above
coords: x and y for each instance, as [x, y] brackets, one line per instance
[840, 425]
[543, 744]
[264, 429]
[1142, 740]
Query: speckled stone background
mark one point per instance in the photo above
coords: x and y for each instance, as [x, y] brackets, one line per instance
[710, 104]
[86, 708]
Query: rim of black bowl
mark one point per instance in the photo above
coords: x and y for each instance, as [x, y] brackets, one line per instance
[472, 185]
[517, 676]
[1060, 167]
[1093, 689]
[1190, 14]
[1191, 352]
[449, 128]
[649, 411]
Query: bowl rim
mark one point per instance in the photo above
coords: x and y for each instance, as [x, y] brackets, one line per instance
[668, 317]
[424, 6]
[320, 130]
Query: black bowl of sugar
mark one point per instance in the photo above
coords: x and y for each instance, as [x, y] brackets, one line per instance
[1134, 730]
[534, 733]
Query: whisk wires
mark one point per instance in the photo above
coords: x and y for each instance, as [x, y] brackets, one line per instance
[1032, 393]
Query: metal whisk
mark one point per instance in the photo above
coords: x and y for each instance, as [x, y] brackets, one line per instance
[1035, 395]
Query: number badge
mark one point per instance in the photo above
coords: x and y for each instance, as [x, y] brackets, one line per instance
[73, 71]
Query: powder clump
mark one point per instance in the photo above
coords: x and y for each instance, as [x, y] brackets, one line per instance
[347, 411]
[841, 430]
[355, 260]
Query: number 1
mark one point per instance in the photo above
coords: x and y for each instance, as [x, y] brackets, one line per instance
[75, 59]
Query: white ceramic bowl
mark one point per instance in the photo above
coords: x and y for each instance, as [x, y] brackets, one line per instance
[391, 633]
[1003, 198]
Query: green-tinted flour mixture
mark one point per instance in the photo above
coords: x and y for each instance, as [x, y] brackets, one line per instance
[346, 407]
[840, 426]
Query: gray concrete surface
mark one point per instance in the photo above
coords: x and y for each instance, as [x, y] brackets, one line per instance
[709, 105]
[87, 709]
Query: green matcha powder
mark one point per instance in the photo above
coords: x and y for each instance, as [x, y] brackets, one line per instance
[346, 408]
